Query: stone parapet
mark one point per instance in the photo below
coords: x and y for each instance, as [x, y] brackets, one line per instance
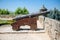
[51, 26]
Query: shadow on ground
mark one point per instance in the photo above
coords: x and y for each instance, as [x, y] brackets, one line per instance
[30, 29]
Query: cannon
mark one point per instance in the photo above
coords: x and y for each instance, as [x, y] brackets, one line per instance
[30, 20]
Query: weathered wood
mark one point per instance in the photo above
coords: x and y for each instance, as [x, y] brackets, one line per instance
[26, 21]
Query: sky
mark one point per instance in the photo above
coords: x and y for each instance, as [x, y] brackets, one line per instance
[32, 5]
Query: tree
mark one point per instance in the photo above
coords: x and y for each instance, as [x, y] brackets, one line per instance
[0, 11]
[4, 12]
[7, 12]
[50, 15]
[54, 14]
[18, 11]
[25, 11]
[21, 11]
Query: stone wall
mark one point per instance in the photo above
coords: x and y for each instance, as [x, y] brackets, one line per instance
[52, 27]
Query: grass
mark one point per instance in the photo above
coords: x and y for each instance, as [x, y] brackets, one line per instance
[6, 21]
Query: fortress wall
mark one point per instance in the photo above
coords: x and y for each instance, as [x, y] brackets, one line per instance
[52, 27]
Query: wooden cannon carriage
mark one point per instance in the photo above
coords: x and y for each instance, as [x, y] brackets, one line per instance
[30, 20]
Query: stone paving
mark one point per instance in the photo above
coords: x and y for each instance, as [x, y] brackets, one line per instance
[25, 36]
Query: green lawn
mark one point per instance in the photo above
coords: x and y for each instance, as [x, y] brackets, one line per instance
[6, 21]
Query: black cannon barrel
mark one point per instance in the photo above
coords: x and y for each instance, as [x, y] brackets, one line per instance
[32, 15]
